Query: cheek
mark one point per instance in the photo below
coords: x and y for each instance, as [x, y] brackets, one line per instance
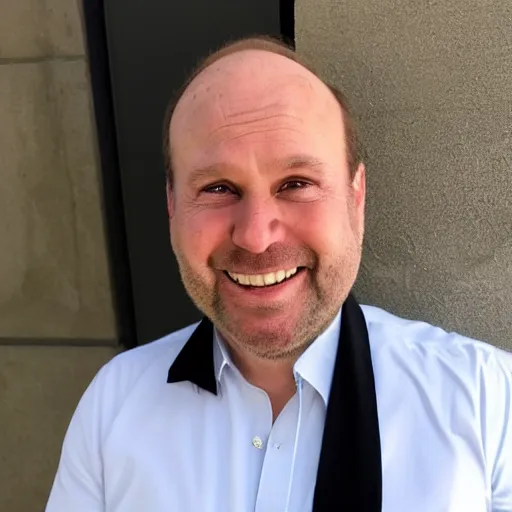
[324, 228]
[196, 235]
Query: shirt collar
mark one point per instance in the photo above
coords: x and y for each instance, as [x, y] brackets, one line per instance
[204, 357]
[195, 362]
[316, 364]
[221, 357]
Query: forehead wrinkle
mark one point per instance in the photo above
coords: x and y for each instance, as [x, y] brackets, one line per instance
[280, 96]
[249, 122]
[229, 93]
[262, 130]
[246, 63]
[281, 114]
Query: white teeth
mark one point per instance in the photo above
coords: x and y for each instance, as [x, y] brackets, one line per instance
[269, 278]
[257, 281]
[263, 279]
[243, 279]
[280, 275]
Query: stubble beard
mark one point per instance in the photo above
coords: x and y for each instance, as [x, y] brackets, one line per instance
[300, 326]
[327, 289]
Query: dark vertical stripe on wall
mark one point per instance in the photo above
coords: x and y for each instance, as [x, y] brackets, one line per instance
[113, 208]
[287, 19]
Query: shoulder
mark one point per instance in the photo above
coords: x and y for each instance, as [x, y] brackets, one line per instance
[506, 357]
[428, 347]
[145, 367]
[457, 385]
[125, 369]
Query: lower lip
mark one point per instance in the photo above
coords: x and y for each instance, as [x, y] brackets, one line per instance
[274, 292]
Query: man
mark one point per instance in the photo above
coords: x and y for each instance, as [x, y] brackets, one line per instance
[287, 396]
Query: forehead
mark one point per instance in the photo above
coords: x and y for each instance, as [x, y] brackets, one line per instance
[253, 91]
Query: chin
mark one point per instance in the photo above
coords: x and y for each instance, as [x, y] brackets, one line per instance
[267, 323]
[269, 344]
[263, 335]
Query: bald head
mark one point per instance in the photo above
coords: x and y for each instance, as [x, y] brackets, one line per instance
[256, 71]
[248, 76]
[245, 92]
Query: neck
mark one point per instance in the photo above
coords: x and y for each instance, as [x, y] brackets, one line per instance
[275, 377]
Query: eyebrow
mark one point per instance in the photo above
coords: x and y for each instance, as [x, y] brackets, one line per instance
[217, 171]
[197, 176]
[301, 161]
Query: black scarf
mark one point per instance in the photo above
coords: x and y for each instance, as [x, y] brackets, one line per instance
[349, 477]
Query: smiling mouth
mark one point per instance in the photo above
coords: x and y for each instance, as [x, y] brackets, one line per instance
[263, 280]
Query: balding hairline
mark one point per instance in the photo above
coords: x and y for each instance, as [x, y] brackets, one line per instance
[275, 46]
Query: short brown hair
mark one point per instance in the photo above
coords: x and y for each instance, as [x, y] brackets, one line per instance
[278, 47]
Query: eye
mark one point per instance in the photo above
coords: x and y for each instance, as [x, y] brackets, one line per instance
[294, 185]
[219, 188]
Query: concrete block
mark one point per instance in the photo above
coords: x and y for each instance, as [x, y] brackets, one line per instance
[429, 84]
[35, 29]
[53, 259]
[39, 390]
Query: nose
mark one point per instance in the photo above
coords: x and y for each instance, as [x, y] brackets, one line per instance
[257, 225]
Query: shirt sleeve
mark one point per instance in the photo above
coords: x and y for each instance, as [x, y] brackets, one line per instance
[500, 424]
[78, 484]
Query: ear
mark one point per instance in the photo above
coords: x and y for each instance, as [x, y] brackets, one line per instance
[359, 186]
[170, 199]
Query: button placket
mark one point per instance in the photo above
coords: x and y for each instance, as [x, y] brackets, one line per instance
[276, 470]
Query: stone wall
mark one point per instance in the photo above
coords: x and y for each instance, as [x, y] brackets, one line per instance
[429, 83]
[57, 324]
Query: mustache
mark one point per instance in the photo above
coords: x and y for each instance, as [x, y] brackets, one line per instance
[278, 255]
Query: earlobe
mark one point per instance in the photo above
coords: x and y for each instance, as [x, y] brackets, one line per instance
[170, 200]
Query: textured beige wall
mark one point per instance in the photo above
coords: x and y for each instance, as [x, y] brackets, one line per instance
[53, 263]
[40, 28]
[39, 389]
[54, 279]
[430, 84]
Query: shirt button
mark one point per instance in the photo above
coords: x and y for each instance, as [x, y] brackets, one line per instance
[257, 442]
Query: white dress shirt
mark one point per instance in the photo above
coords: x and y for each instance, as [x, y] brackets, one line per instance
[137, 443]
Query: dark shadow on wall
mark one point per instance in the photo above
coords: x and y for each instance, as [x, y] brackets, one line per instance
[287, 16]
[112, 196]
